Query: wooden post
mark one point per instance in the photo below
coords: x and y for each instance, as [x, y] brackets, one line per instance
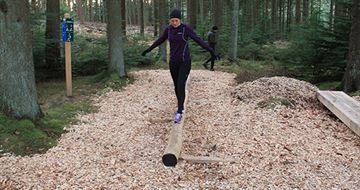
[68, 72]
[173, 150]
[68, 68]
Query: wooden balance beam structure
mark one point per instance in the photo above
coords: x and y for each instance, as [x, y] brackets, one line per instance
[343, 106]
[173, 149]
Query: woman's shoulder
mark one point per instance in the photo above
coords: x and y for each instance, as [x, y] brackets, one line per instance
[188, 27]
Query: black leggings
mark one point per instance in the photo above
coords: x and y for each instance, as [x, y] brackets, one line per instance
[179, 72]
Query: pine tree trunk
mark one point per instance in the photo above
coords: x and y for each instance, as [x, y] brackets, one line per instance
[163, 16]
[91, 7]
[352, 73]
[256, 10]
[234, 31]
[251, 14]
[133, 13]
[115, 41]
[79, 11]
[274, 15]
[52, 35]
[331, 14]
[305, 10]
[141, 15]
[289, 16]
[18, 97]
[339, 14]
[156, 15]
[123, 17]
[192, 13]
[206, 8]
[85, 10]
[96, 11]
[201, 8]
[218, 12]
[282, 18]
[298, 12]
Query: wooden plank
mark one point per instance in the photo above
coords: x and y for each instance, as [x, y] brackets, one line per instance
[343, 106]
[347, 100]
[348, 107]
[173, 149]
[205, 159]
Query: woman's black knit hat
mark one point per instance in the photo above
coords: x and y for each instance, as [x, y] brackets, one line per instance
[175, 13]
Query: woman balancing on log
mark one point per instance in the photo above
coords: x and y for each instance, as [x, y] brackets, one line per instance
[180, 61]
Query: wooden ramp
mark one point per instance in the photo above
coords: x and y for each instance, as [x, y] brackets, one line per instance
[343, 106]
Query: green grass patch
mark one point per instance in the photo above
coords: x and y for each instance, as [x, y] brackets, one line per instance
[333, 85]
[356, 93]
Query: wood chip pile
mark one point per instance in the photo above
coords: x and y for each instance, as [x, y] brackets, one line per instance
[280, 147]
[298, 93]
[357, 98]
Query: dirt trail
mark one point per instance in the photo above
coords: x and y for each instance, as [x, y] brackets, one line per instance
[280, 140]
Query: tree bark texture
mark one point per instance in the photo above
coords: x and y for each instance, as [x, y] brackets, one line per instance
[18, 97]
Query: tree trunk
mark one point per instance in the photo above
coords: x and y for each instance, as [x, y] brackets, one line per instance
[85, 10]
[192, 13]
[115, 41]
[91, 7]
[234, 31]
[289, 16]
[156, 15]
[141, 15]
[298, 12]
[331, 14]
[96, 9]
[163, 23]
[218, 12]
[18, 97]
[282, 17]
[305, 10]
[256, 10]
[206, 8]
[352, 73]
[274, 15]
[123, 17]
[52, 35]
[201, 8]
[79, 11]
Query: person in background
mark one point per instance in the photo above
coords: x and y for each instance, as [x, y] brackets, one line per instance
[180, 60]
[212, 42]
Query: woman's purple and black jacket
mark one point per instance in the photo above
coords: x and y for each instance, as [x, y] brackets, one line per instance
[179, 46]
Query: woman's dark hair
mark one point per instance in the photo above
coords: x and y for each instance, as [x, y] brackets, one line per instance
[215, 28]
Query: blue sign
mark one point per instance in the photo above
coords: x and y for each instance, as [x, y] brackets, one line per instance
[68, 30]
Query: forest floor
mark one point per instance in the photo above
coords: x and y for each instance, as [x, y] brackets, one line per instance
[275, 129]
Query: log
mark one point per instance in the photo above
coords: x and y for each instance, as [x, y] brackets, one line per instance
[173, 149]
[205, 159]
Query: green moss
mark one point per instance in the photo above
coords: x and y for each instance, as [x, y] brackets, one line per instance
[26, 137]
[274, 101]
[22, 136]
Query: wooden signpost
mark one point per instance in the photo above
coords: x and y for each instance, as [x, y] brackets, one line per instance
[68, 37]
